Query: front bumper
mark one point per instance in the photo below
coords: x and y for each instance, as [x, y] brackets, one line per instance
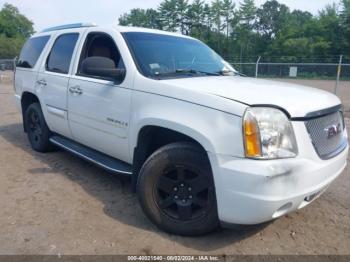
[255, 191]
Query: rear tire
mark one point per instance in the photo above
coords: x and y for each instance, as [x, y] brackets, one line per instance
[176, 190]
[37, 130]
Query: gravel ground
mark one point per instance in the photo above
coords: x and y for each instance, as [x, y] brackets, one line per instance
[56, 203]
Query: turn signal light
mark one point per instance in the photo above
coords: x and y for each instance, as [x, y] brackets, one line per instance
[252, 138]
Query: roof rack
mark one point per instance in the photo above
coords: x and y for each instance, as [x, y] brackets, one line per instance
[68, 26]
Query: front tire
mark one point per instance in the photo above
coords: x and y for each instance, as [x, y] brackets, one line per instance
[37, 130]
[176, 190]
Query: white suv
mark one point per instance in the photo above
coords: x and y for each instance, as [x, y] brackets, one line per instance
[203, 145]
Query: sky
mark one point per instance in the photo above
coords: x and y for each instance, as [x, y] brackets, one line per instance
[46, 13]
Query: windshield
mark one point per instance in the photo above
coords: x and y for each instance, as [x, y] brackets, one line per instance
[163, 56]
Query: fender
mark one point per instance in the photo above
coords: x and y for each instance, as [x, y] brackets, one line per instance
[216, 131]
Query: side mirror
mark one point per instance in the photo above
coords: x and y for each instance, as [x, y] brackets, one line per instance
[102, 67]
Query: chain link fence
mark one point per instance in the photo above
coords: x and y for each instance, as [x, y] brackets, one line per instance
[333, 68]
[331, 74]
[7, 67]
[7, 64]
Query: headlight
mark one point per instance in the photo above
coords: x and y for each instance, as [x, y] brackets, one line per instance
[268, 134]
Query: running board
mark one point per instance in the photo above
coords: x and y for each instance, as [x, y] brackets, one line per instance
[106, 162]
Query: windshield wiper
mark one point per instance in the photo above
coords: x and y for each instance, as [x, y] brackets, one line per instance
[229, 72]
[239, 74]
[193, 71]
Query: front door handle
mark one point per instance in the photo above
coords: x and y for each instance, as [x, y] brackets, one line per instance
[75, 90]
[72, 89]
[79, 91]
[41, 82]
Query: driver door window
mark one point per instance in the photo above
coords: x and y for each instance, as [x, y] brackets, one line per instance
[100, 45]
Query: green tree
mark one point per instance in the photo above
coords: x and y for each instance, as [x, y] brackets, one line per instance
[196, 18]
[244, 29]
[228, 12]
[10, 47]
[137, 17]
[297, 22]
[13, 24]
[247, 14]
[270, 30]
[216, 12]
[345, 24]
[271, 18]
[168, 15]
[15, 28]
[208, 19]
[174, 15]
[154, 19]
[182, 19]
[329, 33]
[143, 18]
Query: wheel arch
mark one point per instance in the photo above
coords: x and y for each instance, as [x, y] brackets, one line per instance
[151, 136]
[27, 99]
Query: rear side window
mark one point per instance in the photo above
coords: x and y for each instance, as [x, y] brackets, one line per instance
[31, 51]
[61, 53]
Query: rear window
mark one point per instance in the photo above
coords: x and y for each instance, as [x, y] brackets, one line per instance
[61, 54]
[31, 51]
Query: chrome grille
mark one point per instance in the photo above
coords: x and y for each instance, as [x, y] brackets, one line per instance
[327, 134]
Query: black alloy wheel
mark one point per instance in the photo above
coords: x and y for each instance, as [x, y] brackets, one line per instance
[176, 190]
[183, 193]
[37, 129]
[34, 126]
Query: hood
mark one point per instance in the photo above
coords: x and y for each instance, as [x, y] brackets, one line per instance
[297, 100]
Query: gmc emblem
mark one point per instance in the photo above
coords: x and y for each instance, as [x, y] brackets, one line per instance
[333, 130]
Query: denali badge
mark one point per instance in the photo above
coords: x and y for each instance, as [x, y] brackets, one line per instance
[333, 130]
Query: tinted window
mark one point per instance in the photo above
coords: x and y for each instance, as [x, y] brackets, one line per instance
[61, 53]
[31, 51]
[160, 55]
[102, 45]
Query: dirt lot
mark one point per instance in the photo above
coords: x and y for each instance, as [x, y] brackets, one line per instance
[58, 204]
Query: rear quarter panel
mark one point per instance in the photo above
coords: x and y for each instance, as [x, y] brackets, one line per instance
[25, 78]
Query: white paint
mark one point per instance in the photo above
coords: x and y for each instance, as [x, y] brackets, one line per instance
[208, 109]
